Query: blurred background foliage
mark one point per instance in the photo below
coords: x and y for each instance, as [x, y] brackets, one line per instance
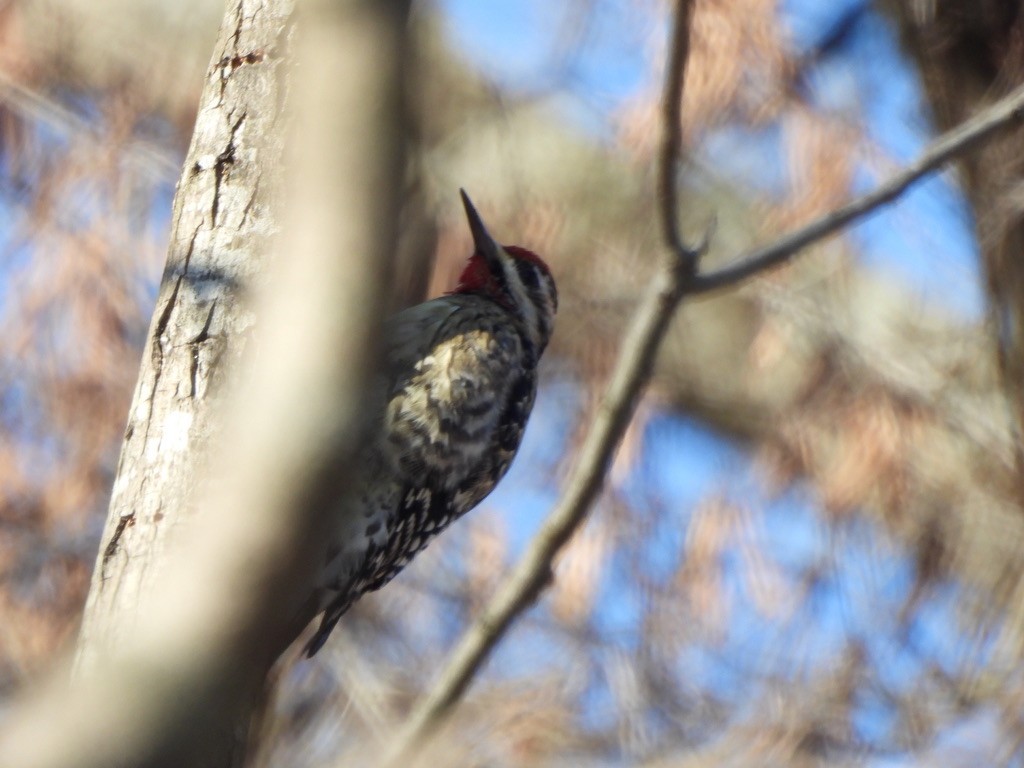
[808, 550]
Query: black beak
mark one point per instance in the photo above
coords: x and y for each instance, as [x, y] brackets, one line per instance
[482, 240]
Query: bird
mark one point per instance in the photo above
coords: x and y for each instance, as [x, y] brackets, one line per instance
[458, 383]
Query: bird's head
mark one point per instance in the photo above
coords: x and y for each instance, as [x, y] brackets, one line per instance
[514, 277]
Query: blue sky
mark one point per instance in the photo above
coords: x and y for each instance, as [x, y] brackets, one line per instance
[861, 578]
[924, 242]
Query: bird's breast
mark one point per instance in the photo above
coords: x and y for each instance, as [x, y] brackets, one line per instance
[445, 414]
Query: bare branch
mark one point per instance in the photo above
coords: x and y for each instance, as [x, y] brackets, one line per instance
[36, 106]
[676, 279]
[672, 136]
[629, 377]
[1005, 112]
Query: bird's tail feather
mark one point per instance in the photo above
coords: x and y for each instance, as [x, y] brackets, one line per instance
[328, 621]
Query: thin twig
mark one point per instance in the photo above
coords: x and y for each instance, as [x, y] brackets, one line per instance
[672, 136]
[949, 146]
[675, 280]
[32, 105]
[630, 375]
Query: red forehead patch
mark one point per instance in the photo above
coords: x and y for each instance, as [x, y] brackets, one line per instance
[527, 255]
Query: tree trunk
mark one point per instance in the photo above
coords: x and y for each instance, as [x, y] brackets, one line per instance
[969, 54]
[221, 223]
[179, 641]
[223, 217]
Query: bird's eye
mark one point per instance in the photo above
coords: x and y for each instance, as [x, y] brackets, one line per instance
[528, 274]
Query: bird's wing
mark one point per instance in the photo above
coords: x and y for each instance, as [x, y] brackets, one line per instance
[412, 333]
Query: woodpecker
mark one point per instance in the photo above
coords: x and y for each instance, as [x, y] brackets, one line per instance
[460, 377]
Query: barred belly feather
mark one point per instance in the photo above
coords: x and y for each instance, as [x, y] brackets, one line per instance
[450, 429]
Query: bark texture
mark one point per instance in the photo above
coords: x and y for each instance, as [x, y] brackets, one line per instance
[179, 639]
[223, 220]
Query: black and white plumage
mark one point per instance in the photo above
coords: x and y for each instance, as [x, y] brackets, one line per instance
[461, 377]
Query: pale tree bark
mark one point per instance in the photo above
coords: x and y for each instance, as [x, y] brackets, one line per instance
[190, 610]
[222, 220]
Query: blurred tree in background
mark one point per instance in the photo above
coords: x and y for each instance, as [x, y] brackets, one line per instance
[808, 549]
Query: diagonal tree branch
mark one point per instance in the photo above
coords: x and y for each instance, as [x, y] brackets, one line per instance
[1006, 112]
[676, 279]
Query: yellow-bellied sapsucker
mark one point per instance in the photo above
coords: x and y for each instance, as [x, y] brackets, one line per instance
[461, 376]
